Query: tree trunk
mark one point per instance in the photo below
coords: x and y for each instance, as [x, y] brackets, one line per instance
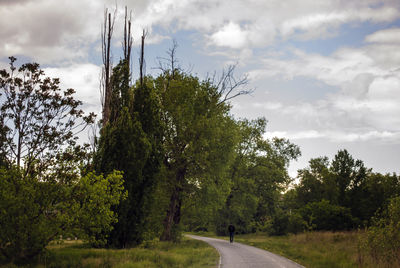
[173, 216]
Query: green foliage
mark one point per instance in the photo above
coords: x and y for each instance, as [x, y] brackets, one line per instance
[45, 187]
[296, 223]
[344, 183]
[37, 119]
[198, 140]
[383, 237]
[349, 175]
[258, 174]
[323, 215]
[131, 142]
[33, 212]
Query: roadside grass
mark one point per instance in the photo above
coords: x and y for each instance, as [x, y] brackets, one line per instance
[187, 253]
[315, 249]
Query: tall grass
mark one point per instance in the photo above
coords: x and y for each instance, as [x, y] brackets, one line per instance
[320, 249]
[188, 253]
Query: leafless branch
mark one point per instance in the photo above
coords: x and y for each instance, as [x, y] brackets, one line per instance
[230, 86]
[169, 63]
[141, 59]
[105, 86]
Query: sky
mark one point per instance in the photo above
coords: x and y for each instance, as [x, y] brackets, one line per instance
[325, 74]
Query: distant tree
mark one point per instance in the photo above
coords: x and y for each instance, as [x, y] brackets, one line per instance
[373, 195]
[323, 215]
[316, 183]
[349, 174]
[258, 174]
[347, 183]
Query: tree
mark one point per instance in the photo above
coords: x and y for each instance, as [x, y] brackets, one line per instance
[258, 174]
[345, 183]
[349, 174]
[43, 190]
[37, 119]
[198, 140]
[131, 142]
[317, 183]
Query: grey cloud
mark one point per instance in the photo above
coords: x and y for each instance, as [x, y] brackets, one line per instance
[33, 27]
[359, 86]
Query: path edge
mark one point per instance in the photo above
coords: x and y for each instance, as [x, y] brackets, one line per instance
[219, 253]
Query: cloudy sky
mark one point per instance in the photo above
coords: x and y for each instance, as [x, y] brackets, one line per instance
[326, 73]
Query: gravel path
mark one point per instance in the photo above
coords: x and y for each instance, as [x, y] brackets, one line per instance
[237, 255]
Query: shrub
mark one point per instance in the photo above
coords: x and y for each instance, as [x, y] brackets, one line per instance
[34, 212]
[325, 216]
[296, 223]
[383, 237]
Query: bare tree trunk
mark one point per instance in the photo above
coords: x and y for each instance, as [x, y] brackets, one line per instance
[127, 45]
[173, 217]
[106, 36]
[141, 61]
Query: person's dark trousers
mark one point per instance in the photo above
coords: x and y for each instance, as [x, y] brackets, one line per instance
[231, 236]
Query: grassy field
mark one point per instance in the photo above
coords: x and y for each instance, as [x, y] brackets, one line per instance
[317, 249]
[188, 253]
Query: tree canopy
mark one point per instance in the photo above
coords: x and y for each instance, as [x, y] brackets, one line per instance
[45, 187]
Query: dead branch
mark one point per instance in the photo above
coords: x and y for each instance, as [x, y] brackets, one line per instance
[141, 59]
[105, 85]
[229, 86]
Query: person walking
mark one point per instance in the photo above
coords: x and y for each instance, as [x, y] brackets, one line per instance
[231, 230]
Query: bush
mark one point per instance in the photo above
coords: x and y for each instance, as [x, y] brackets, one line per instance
[383, 237]
[325, 216]
[34, 212]
[296, 223]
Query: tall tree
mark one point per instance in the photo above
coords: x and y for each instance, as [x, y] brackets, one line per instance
[198, 139]
[349, 174]
[131, 142]
[258, 174]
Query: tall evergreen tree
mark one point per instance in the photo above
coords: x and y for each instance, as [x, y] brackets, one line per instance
[130, 142]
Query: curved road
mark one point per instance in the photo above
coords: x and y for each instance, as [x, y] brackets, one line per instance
[237, 255]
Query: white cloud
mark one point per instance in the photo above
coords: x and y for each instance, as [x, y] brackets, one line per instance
[385, 36]
[84, 78]
[53, 31]
[335, 136]
[368, 102]
[269, 105]
[230, 35]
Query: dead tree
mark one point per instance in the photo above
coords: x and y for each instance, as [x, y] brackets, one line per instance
[169, 63]
[105, 81]
[127, 45]
[141, 59]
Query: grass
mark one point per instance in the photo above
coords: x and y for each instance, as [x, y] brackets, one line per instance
[188, 253]
[316, 249]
